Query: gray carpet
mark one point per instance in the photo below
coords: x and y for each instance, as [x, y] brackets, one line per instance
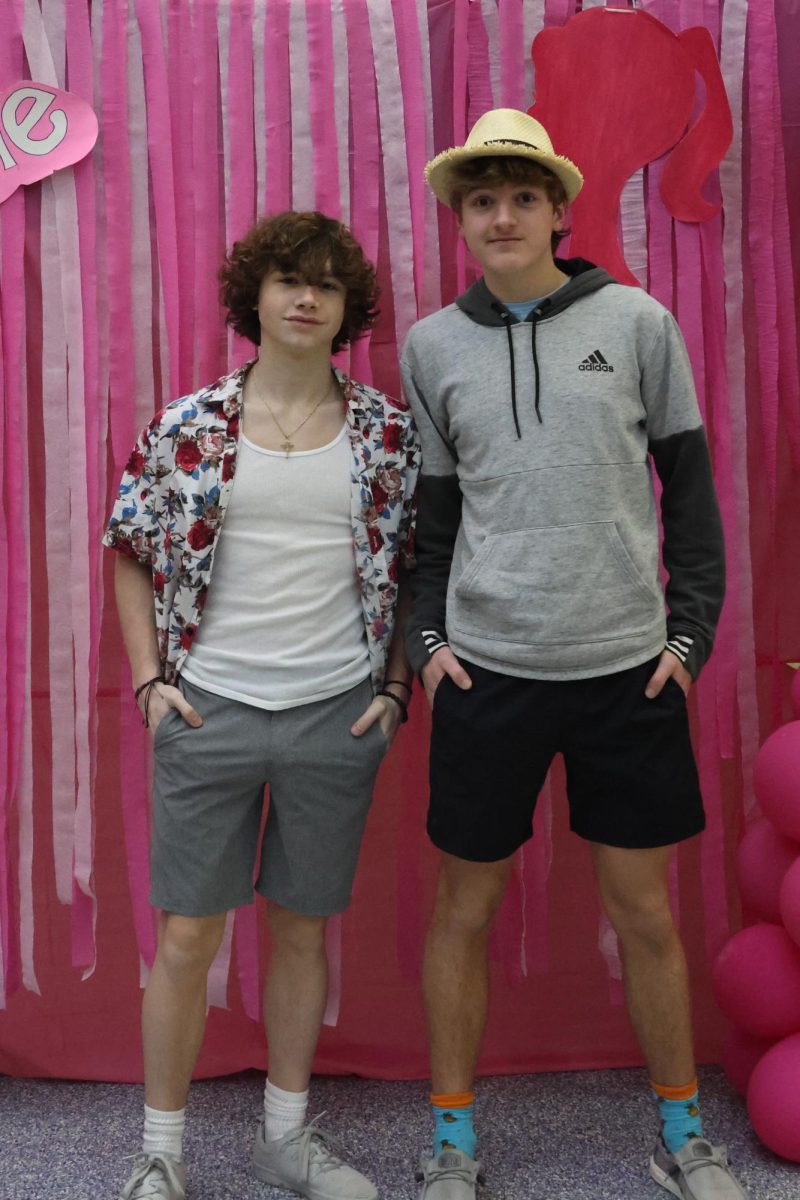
[567, 1136]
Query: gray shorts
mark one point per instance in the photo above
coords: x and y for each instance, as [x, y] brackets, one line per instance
[208, 794]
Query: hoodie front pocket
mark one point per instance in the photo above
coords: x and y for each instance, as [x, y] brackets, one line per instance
[559, 584]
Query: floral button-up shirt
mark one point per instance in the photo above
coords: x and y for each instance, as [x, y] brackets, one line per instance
[171, 504]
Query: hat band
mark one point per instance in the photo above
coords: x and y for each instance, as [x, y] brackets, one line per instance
[511, 142]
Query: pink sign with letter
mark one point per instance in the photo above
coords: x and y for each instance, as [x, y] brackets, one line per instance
[41, 130]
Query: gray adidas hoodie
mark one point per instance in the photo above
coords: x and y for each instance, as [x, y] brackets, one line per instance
[537, 535]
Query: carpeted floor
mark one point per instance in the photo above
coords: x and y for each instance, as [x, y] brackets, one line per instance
[568, 1136]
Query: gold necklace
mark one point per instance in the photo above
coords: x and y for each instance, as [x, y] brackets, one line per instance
[287, 444]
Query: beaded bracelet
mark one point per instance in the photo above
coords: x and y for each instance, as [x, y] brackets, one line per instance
[401, 704]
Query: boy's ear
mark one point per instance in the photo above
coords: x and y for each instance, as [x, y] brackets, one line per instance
[559, 213]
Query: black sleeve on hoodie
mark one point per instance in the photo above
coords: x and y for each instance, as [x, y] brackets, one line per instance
[438, 521]
[694, 549]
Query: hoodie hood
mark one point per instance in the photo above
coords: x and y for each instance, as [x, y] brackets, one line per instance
[483, 308]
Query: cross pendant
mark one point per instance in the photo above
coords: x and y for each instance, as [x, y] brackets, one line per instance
[287, 446]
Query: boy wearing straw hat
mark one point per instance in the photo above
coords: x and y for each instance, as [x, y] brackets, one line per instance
[263, 524]
[539, 624]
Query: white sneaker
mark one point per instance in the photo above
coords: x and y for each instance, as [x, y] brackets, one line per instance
[698, 1171]
[156, 1177]
[304, 1161]
[451, 1175]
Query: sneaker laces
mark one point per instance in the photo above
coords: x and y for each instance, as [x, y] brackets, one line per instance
[144, 1164]
[318, 1148]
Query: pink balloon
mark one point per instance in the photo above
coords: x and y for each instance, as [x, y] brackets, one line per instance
[773, 1098]
[756, 981]
[777, 779]
[794, 694]
[740, 1053]
[789, 902]
[762, 859]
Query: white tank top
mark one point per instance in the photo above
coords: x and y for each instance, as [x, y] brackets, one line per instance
[283, 623]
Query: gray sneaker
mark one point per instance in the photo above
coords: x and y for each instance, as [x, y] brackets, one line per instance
[451, 1175]
[698, 1171]
[156, 1177]
[304, 1161]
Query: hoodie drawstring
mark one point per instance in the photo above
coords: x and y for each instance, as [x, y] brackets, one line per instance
[506, 316]
[535, 367]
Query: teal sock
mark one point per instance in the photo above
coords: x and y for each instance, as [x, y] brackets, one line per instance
[680, 1121]
[453, 1130]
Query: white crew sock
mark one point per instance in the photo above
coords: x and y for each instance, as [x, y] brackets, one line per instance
[283, 1111]
[163, 1131]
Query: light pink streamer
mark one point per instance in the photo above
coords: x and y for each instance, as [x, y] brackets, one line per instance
[479, 81]
[333, 948]
[302, 151]
[209, 240]
[278, 108]
[764, 116]
[513, 52]
[460, 57]
[160, 148]
[395, 168]
[365, 162]
[322, 110]
[245, 932]
[734, 20]
[414, 115]
[181, 68]
[217, 993]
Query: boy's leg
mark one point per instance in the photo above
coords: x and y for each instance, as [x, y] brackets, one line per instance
[174, 1007]
[634, 890]
[456, 973]
[295, 995]
[173, 1023]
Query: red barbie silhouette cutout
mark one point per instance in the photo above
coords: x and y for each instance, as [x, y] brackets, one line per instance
[615, 90]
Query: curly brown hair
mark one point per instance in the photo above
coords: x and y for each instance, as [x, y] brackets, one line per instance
[494, 170]
[312, 245]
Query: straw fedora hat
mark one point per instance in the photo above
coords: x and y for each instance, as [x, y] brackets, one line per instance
[503, 132]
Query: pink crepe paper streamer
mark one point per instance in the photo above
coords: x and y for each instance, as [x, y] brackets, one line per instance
[734, 21]
[117, 181]
[333, 947]
[536, 861]
[533, 23]
[238, 125]
[608, 945]
[633, 223]
[415, 118]
[558, 12]
[513, 53]
[365, 159]
[245, 933]
[431, 295]
[341, 104]
[460, 57]
[324, 140]
[67, 312]
[712, 844]
[764, 117]
[160, 149]
[395, 167]
[302, 154]
[134, 795]
[14, 540]
[218, 975]
[491, 24]
[278, 108]
[181, 75]
[479, 81]
[209, 234]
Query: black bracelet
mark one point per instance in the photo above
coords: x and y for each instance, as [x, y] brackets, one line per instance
[149, 683]
[147, 688]
[399, 683]
[401, 704]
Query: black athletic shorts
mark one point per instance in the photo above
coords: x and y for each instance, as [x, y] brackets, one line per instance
[631, 774]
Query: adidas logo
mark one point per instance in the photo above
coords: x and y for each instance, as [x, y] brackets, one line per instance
[595, 362]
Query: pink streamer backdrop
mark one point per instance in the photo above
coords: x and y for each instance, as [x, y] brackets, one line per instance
[210, 115]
